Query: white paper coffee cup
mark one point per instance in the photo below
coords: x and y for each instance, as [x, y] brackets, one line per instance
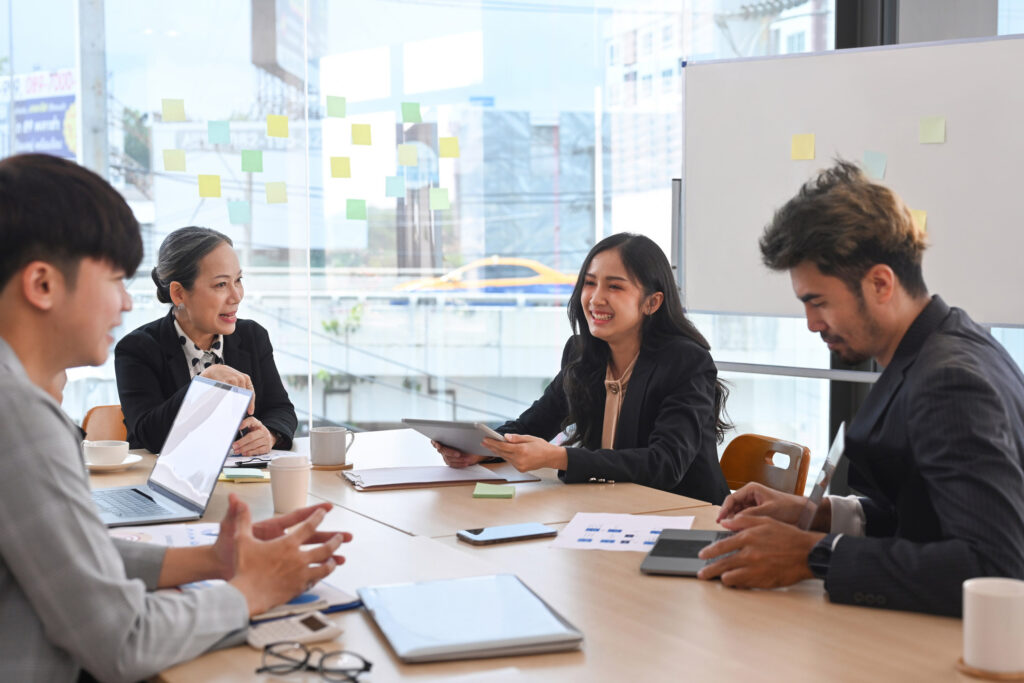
[994, 625]
[105, 452]
[328, 446]
[289, 481]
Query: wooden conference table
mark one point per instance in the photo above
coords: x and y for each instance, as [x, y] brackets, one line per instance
[636, 627]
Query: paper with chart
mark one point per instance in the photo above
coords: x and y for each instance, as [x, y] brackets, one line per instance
[606, 531]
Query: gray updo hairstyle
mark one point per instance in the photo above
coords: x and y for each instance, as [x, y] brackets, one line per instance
[179, 257]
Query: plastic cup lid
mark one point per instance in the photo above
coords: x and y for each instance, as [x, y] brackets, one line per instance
[293, 461]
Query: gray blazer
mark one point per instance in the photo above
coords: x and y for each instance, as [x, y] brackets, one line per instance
[72, 598]
[938, 449]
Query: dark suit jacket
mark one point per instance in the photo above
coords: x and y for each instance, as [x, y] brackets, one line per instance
[665, 437]
[939, 449]
[152, 377]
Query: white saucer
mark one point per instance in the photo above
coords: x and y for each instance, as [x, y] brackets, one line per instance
[132, 459]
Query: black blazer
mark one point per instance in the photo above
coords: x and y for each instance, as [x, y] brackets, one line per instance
[152, 377]
[938, 448]
[665, 437]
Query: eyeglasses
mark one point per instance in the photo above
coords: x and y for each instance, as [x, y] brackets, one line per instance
[286, 657]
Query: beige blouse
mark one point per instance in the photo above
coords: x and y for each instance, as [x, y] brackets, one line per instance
[615, 394]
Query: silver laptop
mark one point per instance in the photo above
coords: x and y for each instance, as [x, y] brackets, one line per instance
[181, 483]
[676, 550]
[480, 616]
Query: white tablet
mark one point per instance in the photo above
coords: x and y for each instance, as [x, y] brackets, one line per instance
[466, 436]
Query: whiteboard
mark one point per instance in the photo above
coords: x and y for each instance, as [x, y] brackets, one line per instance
[739, 120]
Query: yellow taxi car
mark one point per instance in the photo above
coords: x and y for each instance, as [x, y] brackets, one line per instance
[499, 275]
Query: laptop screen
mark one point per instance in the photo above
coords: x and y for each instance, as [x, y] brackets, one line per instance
[199, 439]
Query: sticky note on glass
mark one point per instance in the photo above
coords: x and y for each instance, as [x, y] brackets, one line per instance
[252, 160]
[336, 106]
[360, 133]
[411, 112]
[920, 219]
[408, 155]
[209, 186]
[239, 213]
[931, 130]
[874, 164]
[394, 186]
[277, 193]
[277, 126]
[341, 167]
[484, 490]
[448, 147]
[801, 147]
[174, 160]
[355, 209]
[219, 132]
[439, 199]
[173, 110]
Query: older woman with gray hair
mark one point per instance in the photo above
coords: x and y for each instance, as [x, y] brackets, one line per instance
[198, 274]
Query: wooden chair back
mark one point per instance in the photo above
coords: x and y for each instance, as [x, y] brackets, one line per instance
[105, 422]
[748, 457]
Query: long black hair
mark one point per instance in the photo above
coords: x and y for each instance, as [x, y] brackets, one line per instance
[583, 378]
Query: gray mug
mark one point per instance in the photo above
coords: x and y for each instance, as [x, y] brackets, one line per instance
[329, 445]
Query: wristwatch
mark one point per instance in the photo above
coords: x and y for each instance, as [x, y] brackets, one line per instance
[820, 556]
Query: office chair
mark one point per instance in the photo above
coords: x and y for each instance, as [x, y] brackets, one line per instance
[105, 422]
[748, 457]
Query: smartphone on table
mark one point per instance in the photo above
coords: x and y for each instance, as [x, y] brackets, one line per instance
[508, 532]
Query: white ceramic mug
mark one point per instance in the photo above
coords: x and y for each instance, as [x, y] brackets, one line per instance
[289, 481]
[105, 452]
[994, 625]
[329, 445]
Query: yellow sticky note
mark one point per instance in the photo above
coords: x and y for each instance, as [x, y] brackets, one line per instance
[360, 133]
[277, 193]
[277, 126]
[920, 219]
[448, 147]
[340, 167]
[802, 147]
[931, 130]
[408, 155]
[174, 160]
[173, 110]
[209, 185]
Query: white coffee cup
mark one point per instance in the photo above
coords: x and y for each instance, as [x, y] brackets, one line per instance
[994, 625]
[289, 481]
[105, 452]
[329, 445]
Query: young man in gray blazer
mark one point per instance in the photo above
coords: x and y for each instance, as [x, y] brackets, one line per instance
[937, 450]
[71, 598]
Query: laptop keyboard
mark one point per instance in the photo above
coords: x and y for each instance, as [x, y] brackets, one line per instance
[127, 503]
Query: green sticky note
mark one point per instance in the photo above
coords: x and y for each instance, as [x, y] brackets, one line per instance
[277, 193]
[448, 147]
[411, 112]
[408, 155]
[360, 133]
[874, 164]
[252, 160]
[801, 147]
[341, 167]
[243, 473]
[484, 490]
[219, 132]
[394, 186]
[209, 186]
[239, 213]
[277, 126]
[931, 130]
[174, 160]
[920, 219]
[355, 209]
[173, 110]
[336, 106]
[439, 199]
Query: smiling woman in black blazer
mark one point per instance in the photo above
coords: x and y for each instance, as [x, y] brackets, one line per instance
[638, 393]
[198, 273]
